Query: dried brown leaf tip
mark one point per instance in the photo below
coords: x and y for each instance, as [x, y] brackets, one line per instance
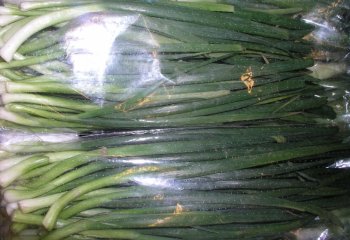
[247, 79]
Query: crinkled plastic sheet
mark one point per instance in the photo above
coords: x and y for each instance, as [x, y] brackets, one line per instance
[332, 42]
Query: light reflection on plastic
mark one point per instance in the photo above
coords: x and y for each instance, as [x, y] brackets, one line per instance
[346, 117]
[327, 86]
[325, 32]
[152, 181]
[309, 21]
[324, 235]
[345, 163]
[347, 100]
[142, 139]
[140, 162]
[18, 138]
[88, 47]
[325, 29]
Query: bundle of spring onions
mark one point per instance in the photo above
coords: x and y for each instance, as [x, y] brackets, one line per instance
[90, 65]
[164, 120]
[186, 183]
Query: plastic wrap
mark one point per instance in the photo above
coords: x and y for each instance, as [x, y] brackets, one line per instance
[139, 67]
[198, 183]
[172, 120]
[331, 40]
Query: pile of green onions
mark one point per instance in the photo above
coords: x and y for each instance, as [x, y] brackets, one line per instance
[161, 64]
[164, 120]
[193, 183]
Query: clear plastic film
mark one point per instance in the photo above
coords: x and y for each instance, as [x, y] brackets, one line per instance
[331, 39]
[171, 120]
[224, 182]
[142, 65]
[331, 36]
